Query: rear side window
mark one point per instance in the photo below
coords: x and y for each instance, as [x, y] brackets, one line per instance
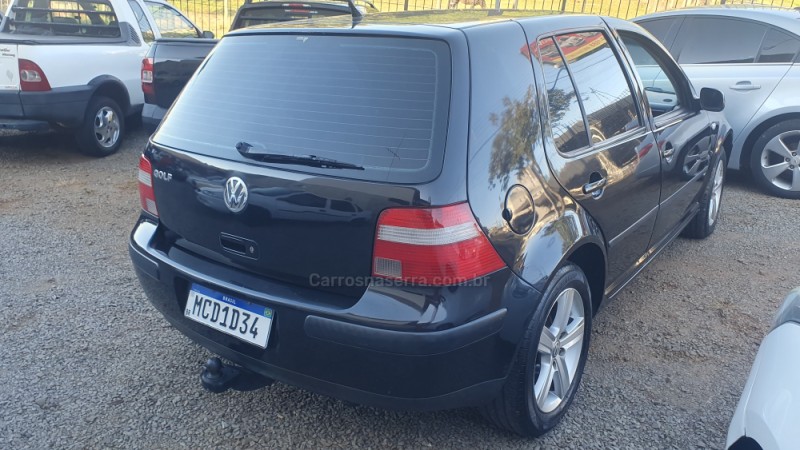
[724, 41]
[601, 84]
[566, 118]
[658, 28]
[380, 103]
[778, 47]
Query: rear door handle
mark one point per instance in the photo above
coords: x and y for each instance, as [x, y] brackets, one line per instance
[595, 187]
[745, 86]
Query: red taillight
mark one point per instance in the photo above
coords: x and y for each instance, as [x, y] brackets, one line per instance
[31, 77]
[147, 77]
[432, 246]
[146, 193]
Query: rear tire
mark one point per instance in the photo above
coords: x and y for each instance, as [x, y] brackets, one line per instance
[774, 161]
[534, 399]
[706, 219]
[102, 129]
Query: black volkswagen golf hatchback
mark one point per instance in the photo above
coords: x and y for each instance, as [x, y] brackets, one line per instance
[421, 211]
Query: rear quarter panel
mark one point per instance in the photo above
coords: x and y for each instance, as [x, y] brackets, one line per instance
[78, 64]
[506, 149]
[785, 100]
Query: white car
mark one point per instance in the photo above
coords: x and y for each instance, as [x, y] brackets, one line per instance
[752, 55]
[768, 414]
[75, 64]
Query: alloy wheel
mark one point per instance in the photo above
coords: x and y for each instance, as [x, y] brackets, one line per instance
[716, 193]
[780, 161]
[559, 350]
[106, 127]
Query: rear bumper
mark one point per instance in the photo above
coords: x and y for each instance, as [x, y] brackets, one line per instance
[37, 110]
[353, 354]
[152, 116]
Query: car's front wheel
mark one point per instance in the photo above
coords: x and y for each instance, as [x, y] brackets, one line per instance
[101, 132]
[775, 160]
[549, 363]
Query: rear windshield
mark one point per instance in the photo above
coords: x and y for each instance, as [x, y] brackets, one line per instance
[380, 103]
[95, 18]
[266, 14]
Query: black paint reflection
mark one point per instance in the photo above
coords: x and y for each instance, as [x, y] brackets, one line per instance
[516, 130]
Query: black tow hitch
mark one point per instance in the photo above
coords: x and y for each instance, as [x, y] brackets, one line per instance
[219, 377]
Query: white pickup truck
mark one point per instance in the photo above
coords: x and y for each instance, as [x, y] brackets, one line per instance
[75, 64]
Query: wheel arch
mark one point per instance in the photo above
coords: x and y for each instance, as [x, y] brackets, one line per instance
[113, 88]
[727, 144]
[757, 132]
[591, 258]
[572, 237]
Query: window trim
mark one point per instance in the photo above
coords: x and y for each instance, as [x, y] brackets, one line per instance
[670, 66]
[146, 17]
[626, 136]
[577, 96]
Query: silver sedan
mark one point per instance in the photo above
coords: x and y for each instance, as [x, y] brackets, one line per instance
[752, 55]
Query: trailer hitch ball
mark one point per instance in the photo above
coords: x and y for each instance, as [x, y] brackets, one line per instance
[218, 377]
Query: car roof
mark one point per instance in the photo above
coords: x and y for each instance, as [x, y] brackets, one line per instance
[419, 20]
[788, 19]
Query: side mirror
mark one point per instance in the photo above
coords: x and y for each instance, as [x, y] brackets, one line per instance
[712, 100]
[208, 35]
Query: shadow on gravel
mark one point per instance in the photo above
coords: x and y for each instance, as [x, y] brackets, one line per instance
[58, 146]
[24, 147]
[741, 180]
[317, 419]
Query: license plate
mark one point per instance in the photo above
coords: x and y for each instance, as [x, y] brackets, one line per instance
[238, 318]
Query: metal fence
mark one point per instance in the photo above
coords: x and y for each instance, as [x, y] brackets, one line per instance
[216, 15]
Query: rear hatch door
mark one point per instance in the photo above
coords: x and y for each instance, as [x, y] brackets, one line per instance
[377, 103]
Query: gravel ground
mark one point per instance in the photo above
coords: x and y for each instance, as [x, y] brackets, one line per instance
[86, 362]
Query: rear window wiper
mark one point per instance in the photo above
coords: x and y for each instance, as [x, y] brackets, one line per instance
[248, 151]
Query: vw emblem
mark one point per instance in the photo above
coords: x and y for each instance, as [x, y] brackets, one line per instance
[235, 194]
